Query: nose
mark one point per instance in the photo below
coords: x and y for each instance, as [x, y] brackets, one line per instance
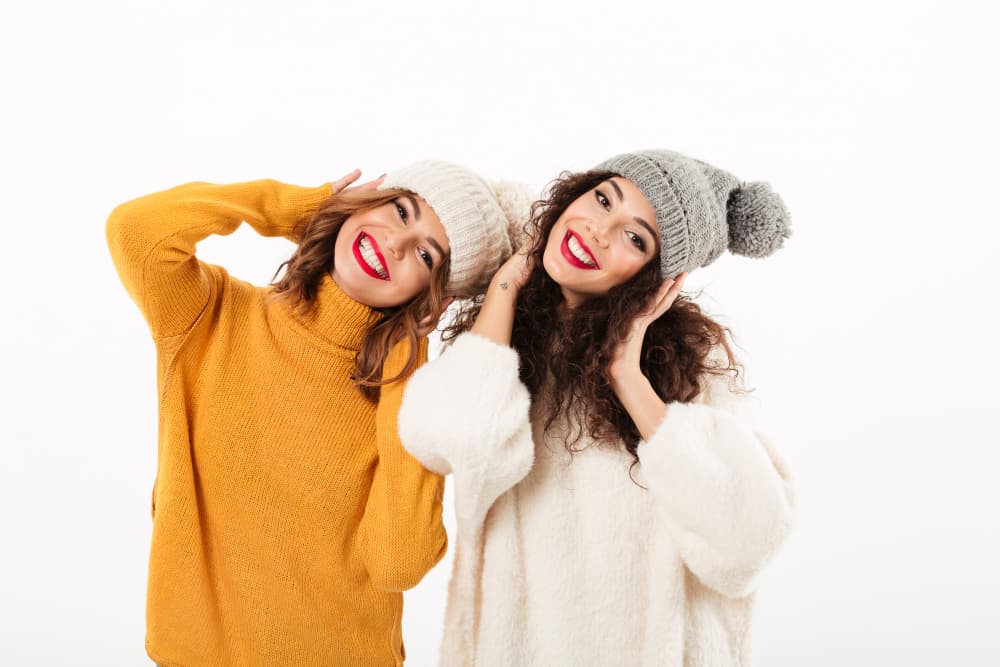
[597, 232]
[395, 242]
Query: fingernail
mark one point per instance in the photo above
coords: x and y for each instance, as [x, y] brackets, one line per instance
[382, 176]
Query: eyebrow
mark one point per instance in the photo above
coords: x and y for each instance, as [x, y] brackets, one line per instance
[413, 203]
[621, 196]
[618, 190]
[649, 227]
[436, 246]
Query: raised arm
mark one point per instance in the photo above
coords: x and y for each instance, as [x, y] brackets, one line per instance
[721, 487]
[467, 413]
[152, 240]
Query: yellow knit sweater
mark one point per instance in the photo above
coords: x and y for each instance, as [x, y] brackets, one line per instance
[287, 517]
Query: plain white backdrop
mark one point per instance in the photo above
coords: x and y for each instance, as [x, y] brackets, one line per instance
[870, 337]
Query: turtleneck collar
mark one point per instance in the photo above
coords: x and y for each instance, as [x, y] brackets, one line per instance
[336, 319]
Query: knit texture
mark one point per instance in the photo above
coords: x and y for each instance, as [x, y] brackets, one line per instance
[287, 517]
[563, 560]
[479, 217]
[702, 210]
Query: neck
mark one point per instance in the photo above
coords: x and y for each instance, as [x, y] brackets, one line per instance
[570, 301]
[334, 318]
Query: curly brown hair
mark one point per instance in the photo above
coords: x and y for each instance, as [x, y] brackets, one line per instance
[313, 259]
[567, 352]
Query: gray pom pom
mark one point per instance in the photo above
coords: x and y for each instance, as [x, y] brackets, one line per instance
[758, 220]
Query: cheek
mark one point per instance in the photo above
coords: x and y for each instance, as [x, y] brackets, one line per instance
[553, 246]
[345, 237]
[626, 266]
[342, 250]
[411, 279]
[578, 206]
[550, 249]
[552, 259]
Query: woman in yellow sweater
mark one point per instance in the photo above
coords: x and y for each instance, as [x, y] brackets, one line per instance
[287, 518]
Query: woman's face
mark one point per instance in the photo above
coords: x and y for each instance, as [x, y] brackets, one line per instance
[601, 240]
[384, 256]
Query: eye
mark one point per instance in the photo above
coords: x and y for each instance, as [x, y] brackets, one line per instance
[426, 256]
[403, 213]
[637, 241]
[602, 200]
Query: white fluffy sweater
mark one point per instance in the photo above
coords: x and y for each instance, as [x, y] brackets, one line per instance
[563, 560]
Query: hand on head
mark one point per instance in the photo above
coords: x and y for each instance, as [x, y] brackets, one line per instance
[515, 272]
[340, 185]
[627, 355]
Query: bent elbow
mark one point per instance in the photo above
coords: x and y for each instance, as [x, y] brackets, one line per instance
[732, 567]
[117, 226]
[400, 570]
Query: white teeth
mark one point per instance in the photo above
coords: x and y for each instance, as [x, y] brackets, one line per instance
[579, 252]
[371, 259]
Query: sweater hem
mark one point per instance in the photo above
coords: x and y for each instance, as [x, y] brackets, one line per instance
[161, 662]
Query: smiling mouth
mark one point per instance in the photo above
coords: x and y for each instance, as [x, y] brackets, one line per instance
[577, 253]
[369, 257]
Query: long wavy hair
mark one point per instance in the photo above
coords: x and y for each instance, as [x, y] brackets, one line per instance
[566, 353]
[313, 259]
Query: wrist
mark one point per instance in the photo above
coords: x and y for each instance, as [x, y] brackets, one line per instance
[503, 288]
[625, 375]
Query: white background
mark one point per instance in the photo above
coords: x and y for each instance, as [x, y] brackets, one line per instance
[871, 336]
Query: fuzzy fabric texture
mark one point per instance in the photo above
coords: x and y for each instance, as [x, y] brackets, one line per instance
[563, 560]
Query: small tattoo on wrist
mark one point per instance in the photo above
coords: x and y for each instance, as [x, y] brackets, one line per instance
[503, 285]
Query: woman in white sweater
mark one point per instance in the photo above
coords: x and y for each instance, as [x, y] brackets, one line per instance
[614, 505]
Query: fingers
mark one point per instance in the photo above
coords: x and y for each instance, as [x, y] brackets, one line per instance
[668, 294]
[346, 180]
[664, 289]
[661, 302]
[678, 284]
[370, 185]
[516, 270]
[340, 185]
[664, 297]
[661, 293]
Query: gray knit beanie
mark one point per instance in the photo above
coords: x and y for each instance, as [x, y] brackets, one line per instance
[702, 210]
[478, 216]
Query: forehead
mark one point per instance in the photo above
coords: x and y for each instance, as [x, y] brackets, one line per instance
[634, 201]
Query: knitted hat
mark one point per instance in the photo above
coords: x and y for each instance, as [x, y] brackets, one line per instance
[479, 217]
[702, 210]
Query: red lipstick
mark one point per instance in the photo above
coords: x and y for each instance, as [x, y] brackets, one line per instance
[573, 259]
[359, 257]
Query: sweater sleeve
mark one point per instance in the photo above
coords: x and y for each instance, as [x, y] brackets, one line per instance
[722, 489]
[402, 532]
[152, 240]
[467, 413]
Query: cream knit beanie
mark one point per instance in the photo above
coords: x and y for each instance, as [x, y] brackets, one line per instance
[479, 217]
